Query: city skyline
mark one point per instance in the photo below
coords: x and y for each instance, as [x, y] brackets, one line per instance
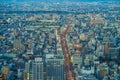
[59, 40]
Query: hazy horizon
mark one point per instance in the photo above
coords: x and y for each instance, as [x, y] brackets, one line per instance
[55, 0]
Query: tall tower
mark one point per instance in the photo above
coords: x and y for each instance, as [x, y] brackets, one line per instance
[55, 69]
[37, 69]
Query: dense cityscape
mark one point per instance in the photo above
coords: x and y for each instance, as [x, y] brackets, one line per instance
[60, 40]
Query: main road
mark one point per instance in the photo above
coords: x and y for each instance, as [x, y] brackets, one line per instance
[68, 66]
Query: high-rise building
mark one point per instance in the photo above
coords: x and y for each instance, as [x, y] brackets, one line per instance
[55, 69]
[34, 70]
[28, 70]
[37, 69]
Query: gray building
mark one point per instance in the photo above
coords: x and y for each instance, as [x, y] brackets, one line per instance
[37, 69]
[55, 69]
[28, 70]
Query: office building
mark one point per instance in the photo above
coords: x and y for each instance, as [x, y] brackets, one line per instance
[55, 69]
[37, 69]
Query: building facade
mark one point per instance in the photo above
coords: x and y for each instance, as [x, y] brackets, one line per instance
[55, 69]
[37, 70]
